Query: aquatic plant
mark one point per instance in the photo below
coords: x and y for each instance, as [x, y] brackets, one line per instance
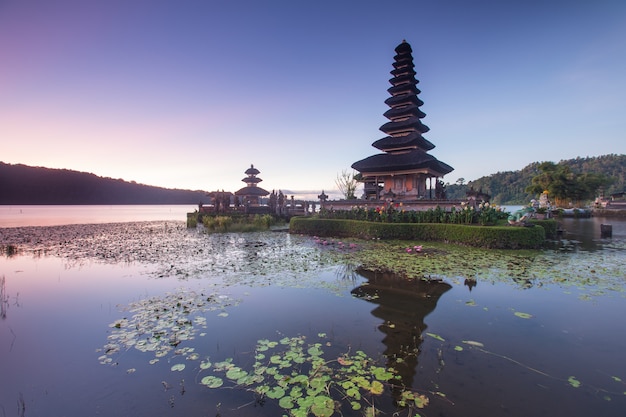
[159, 324]
[237, 223]
[304, 381]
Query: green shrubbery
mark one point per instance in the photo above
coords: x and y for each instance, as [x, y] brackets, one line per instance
[502, 237]
[550, 226]
[242, 223]
[484, 214]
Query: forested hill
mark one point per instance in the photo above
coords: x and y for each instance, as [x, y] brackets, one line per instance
[22, 184]
[510, 187]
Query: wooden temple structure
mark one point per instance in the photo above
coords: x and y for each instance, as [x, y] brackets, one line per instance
[252, 199]
[404, 170]
[251, 193]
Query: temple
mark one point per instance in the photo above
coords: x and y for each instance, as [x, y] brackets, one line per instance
[404, 170]
[251, 193]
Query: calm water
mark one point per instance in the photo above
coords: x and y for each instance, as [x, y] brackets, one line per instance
[64, 288]
[12, 216]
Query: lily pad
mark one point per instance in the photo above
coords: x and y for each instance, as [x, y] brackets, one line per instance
[523, 315]
[436, 336]
[573, 382]
[212, 381]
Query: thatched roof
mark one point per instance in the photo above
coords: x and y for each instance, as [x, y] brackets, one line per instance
[413, 140]
[414, 160]
[412, 123]
[252, 191]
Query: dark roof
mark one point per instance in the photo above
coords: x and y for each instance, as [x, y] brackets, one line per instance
[414, 160]
[403, 71]
[403, 79]
[414, 139]
[404, 125]
[251, 180]
[403, 99]
[403, 89]
[252, 170]
[405, 148]
[404, 47]
[252, 191]
[410, 110]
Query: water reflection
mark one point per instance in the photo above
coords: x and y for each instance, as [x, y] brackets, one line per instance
[585, 234]
[402, 305]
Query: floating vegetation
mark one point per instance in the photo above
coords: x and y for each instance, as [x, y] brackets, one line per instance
[573, 382]
[588, 273]
[172, 250]
[304, 381]
[159, 324]
[523, 315]
[169, 249]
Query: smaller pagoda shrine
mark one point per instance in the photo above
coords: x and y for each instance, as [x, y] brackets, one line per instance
[251, 193]
[404, 170]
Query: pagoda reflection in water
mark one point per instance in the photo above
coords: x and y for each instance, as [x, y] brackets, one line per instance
[402, 304]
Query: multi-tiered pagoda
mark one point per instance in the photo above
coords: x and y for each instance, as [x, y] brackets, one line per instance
[404, 169]
[251, 193]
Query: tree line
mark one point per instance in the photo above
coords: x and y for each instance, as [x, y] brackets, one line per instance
[576, 180]
[22, 184]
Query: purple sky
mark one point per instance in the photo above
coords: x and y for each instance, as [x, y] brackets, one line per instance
[188, 94]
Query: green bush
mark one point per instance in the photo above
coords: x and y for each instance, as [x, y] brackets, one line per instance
[192, 219]
[501, 237]
[550, 226]
[484, 214]
[237, 223]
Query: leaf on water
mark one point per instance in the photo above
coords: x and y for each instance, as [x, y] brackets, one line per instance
[286, 402]
[616, 378]
[212, 381]
[458, 348]
[235, 373]
[223, 314]
[276, 393]
[377, 388]
[344, 362]
[473, 343]
[421, 401]
[323, 406]
[315, 350]
[178, 367]
[436, 336]
[381, 373]
[205, 364]
[523, 315]
[573, 382]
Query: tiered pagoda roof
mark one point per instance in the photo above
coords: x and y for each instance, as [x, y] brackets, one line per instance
[405, 149]
[251, 189]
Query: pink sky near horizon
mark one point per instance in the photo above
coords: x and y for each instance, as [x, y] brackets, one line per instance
[188, 94]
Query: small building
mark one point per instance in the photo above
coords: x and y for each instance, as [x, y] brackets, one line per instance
[251, 194]
[404, 170]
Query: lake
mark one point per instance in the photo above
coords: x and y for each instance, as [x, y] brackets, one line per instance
[31, 215]
[109, 316]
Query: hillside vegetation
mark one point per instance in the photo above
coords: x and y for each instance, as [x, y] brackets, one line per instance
[510, 187]
[22, 184]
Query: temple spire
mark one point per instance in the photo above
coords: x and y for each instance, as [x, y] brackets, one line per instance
[404, 166]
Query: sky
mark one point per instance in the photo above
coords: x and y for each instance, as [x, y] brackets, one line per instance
[188, 94]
